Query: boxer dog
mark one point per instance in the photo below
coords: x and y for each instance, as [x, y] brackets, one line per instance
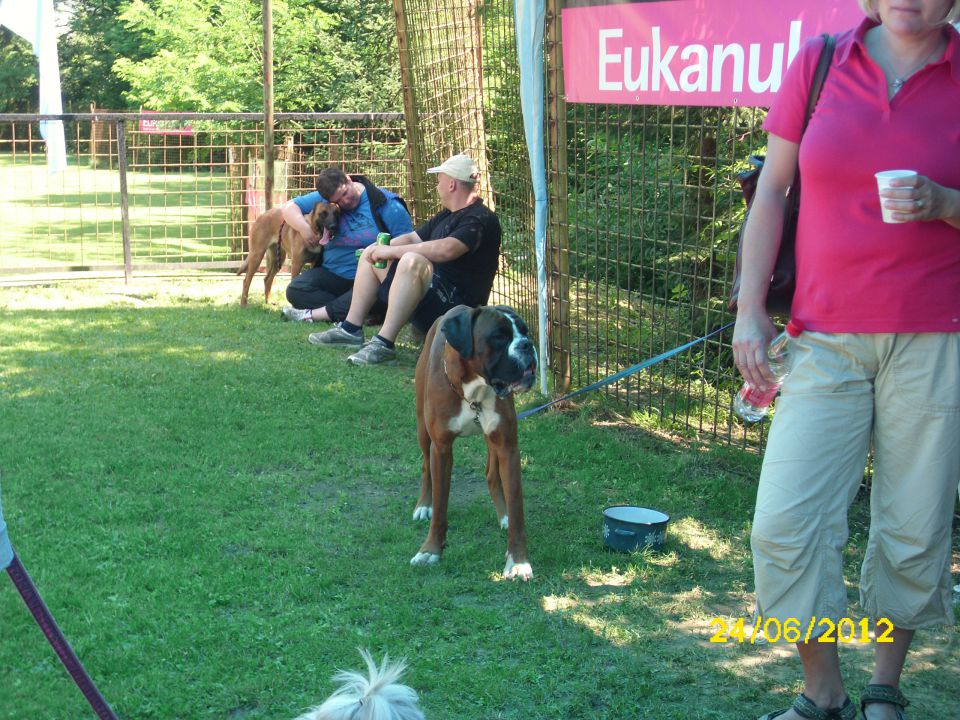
[275, 238]
[473, 360]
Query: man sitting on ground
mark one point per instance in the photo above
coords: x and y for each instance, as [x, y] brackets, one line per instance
[323, 292]
[450, 260]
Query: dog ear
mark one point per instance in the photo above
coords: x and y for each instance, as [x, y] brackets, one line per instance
[457, 328]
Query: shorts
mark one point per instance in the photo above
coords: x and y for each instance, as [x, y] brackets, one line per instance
[440, 297]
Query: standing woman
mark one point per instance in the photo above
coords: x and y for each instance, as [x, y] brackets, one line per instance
[878, 361]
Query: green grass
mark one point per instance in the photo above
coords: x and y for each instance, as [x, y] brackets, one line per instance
[74, 218]
[218, 515]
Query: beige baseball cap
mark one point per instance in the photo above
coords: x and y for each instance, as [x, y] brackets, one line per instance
[459, 167]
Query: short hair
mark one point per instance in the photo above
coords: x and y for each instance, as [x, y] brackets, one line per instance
[869, 8]
[466, 185]
[330, 180]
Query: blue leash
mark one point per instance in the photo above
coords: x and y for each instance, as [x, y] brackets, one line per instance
[624, 373]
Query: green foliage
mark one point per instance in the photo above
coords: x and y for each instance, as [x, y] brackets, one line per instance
[94, 40]
[653, 204]
[19, 84]
[206, 56]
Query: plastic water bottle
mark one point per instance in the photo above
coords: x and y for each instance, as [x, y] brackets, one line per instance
[753, 405]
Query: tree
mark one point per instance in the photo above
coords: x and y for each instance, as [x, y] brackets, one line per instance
[95, 38]
[18, 74]
[206, 56]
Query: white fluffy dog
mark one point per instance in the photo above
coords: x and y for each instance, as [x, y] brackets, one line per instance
[377, 697]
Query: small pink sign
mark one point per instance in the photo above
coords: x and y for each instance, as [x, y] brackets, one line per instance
[150, 126]
[690, 52]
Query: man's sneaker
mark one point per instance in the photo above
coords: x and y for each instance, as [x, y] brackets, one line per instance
[337, 336]
[296, 314]
[374, 352]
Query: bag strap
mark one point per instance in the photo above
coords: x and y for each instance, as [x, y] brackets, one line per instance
[377, 202]
[823, 66]
[819, 75]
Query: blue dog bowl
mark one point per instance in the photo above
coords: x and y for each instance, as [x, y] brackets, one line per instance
[628, 528]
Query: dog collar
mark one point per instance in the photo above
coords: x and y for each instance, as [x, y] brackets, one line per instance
[475, 406]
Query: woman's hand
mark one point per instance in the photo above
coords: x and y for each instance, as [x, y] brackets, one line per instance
[751, 337]
[918, 198]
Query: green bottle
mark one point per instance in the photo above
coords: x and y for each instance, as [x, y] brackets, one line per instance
[382, 239]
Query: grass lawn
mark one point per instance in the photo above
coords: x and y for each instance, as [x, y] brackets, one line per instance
[74, 219]
[219, 513]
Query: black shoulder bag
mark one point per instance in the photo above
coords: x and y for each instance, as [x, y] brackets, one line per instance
[783, 282]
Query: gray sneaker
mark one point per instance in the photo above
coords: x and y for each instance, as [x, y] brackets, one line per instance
[337, 336]
[374, 352]
[296, 314]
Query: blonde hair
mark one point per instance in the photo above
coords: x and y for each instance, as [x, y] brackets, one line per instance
[869, 8]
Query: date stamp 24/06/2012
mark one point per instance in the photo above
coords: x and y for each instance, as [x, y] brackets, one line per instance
[818, 629]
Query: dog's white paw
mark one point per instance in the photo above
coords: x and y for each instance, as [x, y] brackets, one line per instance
[512, 570]
[504, 522]
[422, 512]
[424, 558]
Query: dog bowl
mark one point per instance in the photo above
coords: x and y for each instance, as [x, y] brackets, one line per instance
[627, 528]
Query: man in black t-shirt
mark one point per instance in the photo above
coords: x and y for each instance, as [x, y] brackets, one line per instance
[449, 260]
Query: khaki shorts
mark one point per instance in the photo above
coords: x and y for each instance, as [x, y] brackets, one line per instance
[845, 391]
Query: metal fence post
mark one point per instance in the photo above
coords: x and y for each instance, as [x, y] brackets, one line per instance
[124, 202]
[416, 156]
[558, 280]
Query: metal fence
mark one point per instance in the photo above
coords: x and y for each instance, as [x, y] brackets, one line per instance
[146, 192]
[461, 85]
[643, 210]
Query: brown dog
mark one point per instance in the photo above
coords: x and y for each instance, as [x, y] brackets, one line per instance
[472, 362]
[275, 238]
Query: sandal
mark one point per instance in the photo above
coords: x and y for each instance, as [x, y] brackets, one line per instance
[806, 708]
[886, 694]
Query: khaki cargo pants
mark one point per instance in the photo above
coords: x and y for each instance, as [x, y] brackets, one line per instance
[900, 392]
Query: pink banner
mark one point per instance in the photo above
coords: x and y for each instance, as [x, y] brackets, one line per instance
[690, 52]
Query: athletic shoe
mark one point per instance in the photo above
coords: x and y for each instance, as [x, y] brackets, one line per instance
[337, 336]
[374, 352]
[296, 314]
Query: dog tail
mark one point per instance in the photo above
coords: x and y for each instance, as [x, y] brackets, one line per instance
[378, 696]
[274, 257]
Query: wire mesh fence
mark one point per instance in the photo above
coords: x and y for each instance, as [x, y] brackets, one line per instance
[643, 210]
[188, 184]
[462, 94]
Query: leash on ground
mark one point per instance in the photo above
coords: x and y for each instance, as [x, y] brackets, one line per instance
[31, 596]
[625, 373]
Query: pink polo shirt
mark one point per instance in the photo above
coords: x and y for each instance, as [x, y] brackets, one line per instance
[856, 273]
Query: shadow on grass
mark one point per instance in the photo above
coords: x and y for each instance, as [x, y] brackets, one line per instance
[219, 513]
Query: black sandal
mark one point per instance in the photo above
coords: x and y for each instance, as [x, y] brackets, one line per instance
[887, 694]
[806, 708]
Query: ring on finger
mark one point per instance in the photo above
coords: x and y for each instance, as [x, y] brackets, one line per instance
[919, 203]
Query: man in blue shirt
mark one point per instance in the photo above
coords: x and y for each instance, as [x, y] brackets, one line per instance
[324, 292]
